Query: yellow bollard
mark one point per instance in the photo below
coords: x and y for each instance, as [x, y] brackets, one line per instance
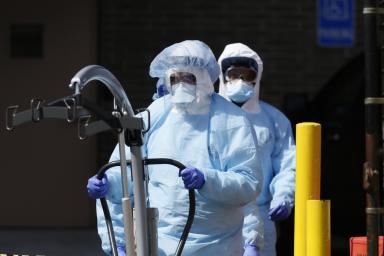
[308, 157]
[318, 228]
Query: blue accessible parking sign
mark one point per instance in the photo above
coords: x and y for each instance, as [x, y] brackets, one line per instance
[335, 23]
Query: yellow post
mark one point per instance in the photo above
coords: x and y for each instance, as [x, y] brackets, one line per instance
[318, 228]
[308, 157]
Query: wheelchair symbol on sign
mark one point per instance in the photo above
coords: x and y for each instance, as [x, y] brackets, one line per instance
[336, 10]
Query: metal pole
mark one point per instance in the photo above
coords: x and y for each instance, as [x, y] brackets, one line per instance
[373, 124]
[126, 203]
[318, 228]
[121, 103]
[140, 201]
[308, 174]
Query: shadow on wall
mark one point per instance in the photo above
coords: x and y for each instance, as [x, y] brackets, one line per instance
[339, 109]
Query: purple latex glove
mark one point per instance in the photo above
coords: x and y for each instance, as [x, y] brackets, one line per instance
[279, 212]
[121, 251]
[97, 188]
[251, 250]
[193, 178]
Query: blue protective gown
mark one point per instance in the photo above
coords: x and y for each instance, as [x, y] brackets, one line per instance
[220, 144]
[277, 154]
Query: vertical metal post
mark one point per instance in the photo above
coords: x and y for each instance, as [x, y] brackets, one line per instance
[308, 174]
[153, 216]
[373, 123]
[318, 235]
[140, 201]
[126, 201]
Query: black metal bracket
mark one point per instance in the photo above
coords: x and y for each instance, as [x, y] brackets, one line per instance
[86, 128]
[74, 108]
[82, 125]
[40, 111]
[149, 119]
[37, 110]
[134, 138]
[10, 117]
[70, 104]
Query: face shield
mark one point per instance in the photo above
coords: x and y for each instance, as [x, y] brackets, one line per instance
[182, 77]
[190, 89]
[239, 83]
[242, 73]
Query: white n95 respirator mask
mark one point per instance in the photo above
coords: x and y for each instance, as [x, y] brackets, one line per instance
[239, 91]
[183, 93]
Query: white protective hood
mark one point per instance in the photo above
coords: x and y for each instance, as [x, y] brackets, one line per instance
[204, 90]
[241, 50]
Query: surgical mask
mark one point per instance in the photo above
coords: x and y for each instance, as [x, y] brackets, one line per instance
[183, 93]
[239, 91]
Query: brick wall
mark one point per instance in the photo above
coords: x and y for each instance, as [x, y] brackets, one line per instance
[282, 32]
[132, 33]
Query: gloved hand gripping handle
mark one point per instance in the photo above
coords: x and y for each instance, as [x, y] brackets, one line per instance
[192, 200]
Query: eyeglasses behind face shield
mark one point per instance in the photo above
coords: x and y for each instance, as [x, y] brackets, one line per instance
[182, 77]
[243, 73]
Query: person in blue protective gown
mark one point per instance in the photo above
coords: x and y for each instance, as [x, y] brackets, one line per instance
[241, 70]
[211, 136]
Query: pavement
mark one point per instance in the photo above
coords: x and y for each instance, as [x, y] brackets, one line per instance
[50, 242]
